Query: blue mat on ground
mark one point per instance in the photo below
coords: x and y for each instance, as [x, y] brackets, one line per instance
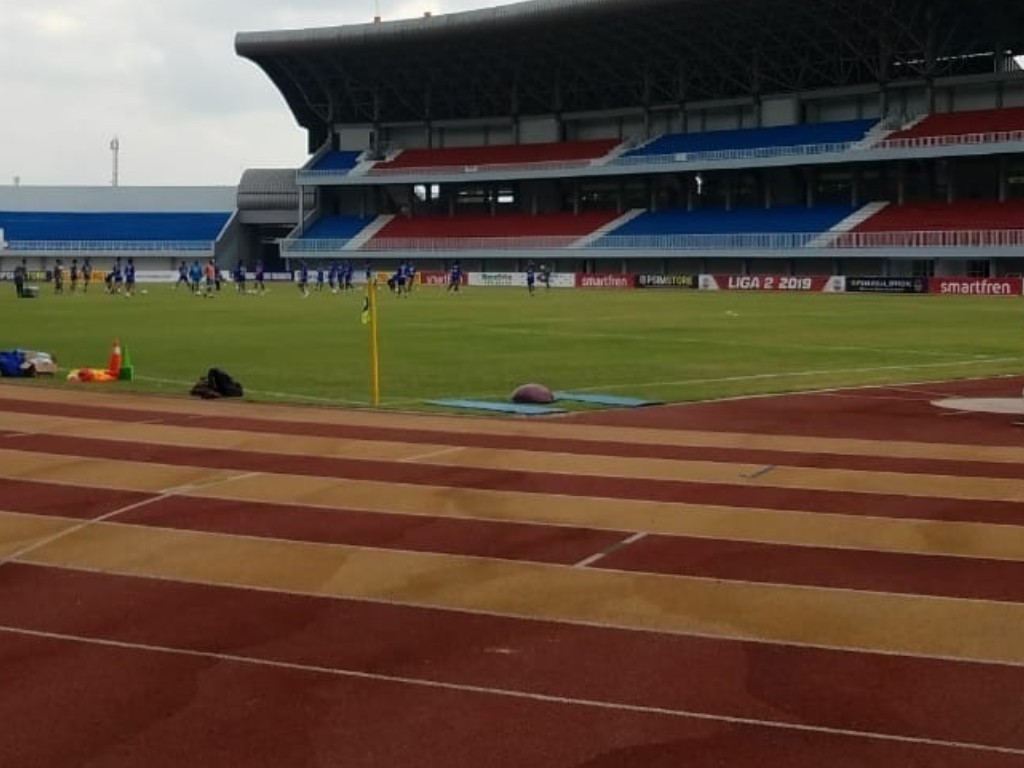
[486, 405]
[614, 400]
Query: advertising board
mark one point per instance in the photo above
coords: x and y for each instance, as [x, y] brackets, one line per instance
[977, 286]
[667, 281]
[790, 283]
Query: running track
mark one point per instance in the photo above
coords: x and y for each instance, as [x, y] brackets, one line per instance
[831, 579]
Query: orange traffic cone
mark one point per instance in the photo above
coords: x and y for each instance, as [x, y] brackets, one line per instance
[114, 366]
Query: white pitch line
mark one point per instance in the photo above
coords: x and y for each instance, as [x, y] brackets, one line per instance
[512, 693]
[726, 342]
[290, 396]
[588, 561]
[794, 374]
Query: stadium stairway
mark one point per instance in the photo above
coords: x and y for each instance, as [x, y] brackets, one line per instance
[849, 224]
[878, 133]
[614, 224]
[369, 232]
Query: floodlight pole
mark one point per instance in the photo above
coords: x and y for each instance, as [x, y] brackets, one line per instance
[115, 148]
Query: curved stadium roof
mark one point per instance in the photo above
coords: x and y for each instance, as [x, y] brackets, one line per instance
[562, 56]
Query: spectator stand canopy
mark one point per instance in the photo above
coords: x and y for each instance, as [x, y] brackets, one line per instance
[556, 57]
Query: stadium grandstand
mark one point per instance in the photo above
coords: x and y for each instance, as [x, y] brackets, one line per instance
[158, 225]
[860, 136]
[680, 136]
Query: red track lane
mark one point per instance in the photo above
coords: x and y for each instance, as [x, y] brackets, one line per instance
[942, 700]
[63, 500]
[515, 541]
[75, 704]
[735, 455]
[876, 414]
[820, 567]
[707, 558]
[762, 495]
[585, 447]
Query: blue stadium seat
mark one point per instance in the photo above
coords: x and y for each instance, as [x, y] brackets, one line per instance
[737, 229]
[336, 229]
[847, 131]
[111, 231]
[337, 160]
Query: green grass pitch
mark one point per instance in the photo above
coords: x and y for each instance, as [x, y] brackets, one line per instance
[482, 343]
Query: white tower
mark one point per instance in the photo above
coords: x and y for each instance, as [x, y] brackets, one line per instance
[115, 149]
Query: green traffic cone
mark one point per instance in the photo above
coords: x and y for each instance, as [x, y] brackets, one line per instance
[127, 372]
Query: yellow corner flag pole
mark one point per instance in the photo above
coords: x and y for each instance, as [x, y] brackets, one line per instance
[370, 317]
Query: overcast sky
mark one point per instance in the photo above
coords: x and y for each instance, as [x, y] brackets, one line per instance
[163, 76]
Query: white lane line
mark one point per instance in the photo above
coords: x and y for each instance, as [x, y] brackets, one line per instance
[164, 494]
[795, 374]
[432, 454]
[512, 693]
[587, 561]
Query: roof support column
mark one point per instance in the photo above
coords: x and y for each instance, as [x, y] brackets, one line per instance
[1002, 63]
[513, 110]
[428, 123]
[647, 105]
[558, 105]
[377, 144]
[810, 187]
[929, 62]
[883, 80]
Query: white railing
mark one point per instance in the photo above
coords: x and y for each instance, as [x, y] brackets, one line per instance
[960, 139]
[434, 244]
[701, 156]
[744, 153]
[771, 241]
[969, 238]
[314, 174]
[63, 246]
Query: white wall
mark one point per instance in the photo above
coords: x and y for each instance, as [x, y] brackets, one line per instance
[119, 199]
